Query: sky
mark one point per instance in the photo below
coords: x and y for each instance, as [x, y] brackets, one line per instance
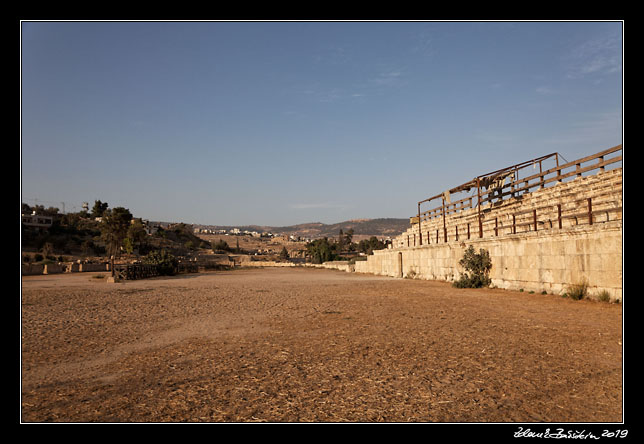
[281, 123]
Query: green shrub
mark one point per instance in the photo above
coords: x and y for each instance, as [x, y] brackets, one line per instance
[411, 274]
[477, 267]
[220, 245]
[166, 263]
[603, 296]
[578, 291]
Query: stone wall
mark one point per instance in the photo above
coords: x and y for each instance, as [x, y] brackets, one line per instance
[535, 261]
[546, 259]
[34, 269]
[267, 264]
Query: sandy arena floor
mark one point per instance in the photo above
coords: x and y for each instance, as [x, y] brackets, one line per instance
[300, 345]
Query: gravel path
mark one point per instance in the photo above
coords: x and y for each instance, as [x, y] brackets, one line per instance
[300, 345]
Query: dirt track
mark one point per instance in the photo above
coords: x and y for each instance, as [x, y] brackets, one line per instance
[285, 345]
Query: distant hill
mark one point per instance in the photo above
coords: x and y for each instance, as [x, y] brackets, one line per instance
[367, 227]
[381, 228]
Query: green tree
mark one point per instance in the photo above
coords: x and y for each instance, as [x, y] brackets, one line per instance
[321, 250]
[371, 244]
[348, 236]
[87, 247]
[284, 254]
[136, 236]
[477, 266]
[47, 249]
[345, 240]
[166, 263]
[99, 208]
[114, 228]
[341, 240]
[128, 246]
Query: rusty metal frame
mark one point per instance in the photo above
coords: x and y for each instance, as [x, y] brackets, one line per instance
[488, 178]
[477, 182]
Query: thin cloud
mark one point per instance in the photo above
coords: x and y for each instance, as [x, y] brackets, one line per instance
[388, 78]
[330, 95]
[599, 56]
[321, 94]
[333, 56]
[545, 90]
[424, 44]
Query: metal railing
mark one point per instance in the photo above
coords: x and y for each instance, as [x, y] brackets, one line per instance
[144, 271]
[134, 271]
[492, 192]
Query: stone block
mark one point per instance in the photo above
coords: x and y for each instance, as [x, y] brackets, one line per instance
[32, 269]
[53, 269]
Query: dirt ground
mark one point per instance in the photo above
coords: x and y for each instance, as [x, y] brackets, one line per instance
[312, 345]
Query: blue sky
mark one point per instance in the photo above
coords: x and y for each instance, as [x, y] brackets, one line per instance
[279, 123]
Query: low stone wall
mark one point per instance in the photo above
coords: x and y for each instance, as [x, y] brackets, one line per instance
[339, 265]
[267, 264]
[54, 269]
[35, 269]
[32, 269]
[94, 267]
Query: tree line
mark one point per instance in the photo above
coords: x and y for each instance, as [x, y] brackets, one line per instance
[110, 231]
[324, 250]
